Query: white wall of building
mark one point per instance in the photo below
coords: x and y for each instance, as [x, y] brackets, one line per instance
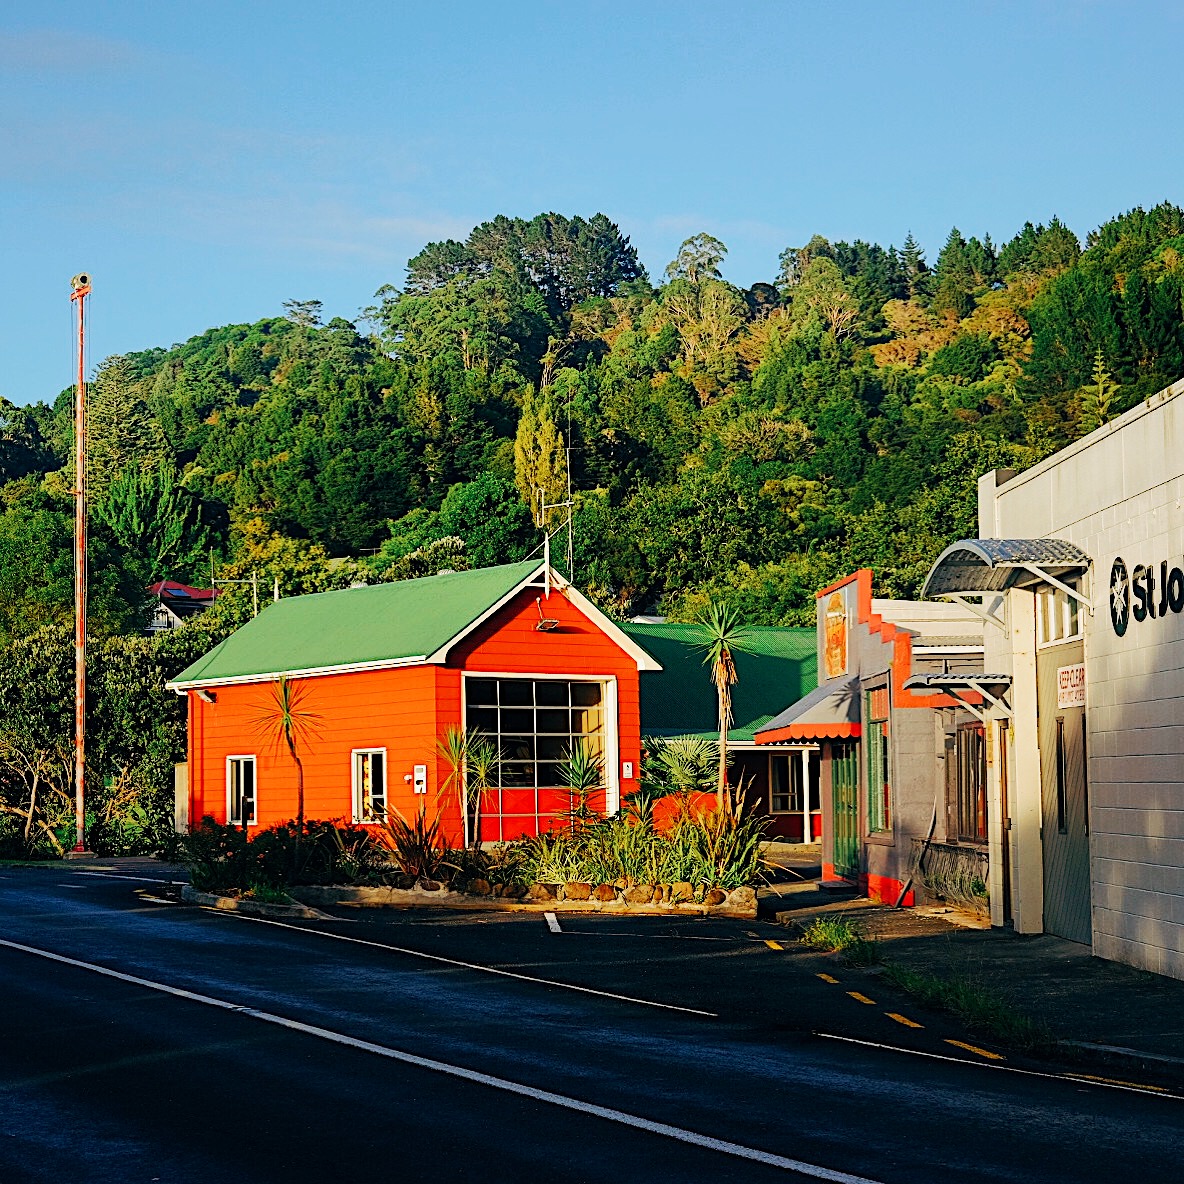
[1119, 494]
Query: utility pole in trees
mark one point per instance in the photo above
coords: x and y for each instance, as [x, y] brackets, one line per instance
[80, 286]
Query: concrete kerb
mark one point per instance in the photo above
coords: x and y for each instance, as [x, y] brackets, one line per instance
[445, 898]
[251, 908]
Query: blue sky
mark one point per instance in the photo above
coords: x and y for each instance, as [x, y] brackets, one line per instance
[207, 161]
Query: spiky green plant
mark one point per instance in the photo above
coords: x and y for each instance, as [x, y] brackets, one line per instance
[582, 772]
[473, 762]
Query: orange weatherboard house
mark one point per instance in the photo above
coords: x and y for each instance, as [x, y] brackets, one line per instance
[375, 676]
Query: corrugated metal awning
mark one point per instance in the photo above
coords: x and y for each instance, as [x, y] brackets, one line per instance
[991, 688]
[994, 565]
[830, 712]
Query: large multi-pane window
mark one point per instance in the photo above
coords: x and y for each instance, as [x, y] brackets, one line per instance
[240, 789]
[875, 739]
[535, 724]
[369, 784]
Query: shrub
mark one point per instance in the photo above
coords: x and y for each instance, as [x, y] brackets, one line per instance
[417, 847]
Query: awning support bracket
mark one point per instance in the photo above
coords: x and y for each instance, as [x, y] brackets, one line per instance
[1041, 574]
[979, 610]
[979, 713]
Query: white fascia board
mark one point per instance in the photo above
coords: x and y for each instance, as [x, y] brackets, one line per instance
[644, 660]
[311, 672]
[440, 656]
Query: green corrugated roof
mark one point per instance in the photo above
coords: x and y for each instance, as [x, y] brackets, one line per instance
[780, 667]
[382, 622]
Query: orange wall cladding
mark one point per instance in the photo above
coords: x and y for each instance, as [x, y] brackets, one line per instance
[404, 710]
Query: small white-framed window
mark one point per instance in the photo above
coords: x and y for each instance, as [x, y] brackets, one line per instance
[240, 790]
[1058, 615]
[369, 784]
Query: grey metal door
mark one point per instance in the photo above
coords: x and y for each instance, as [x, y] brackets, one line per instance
[1065, 828]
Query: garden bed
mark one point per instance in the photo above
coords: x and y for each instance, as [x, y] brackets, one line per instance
[676, 899]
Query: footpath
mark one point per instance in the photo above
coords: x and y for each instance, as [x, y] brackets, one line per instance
[1098, 1010]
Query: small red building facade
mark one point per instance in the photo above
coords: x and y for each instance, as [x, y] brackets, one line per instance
[377, 675]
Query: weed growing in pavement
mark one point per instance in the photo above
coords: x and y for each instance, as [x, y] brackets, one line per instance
[837, 935]
[980, 1007]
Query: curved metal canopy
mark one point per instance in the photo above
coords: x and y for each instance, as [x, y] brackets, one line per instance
[994, 565]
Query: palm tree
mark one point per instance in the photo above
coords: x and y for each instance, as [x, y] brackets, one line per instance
[285, 719]
[723, 635]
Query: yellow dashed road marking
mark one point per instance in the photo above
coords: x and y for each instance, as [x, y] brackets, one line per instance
[861, 998]
[903, 1019]
[774, 945]
[1159, 1089]
[827, 978]
[982, 1052]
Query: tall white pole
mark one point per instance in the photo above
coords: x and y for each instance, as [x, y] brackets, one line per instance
[80, 286]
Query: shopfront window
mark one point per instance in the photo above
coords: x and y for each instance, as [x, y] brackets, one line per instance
[879, 785]
[969, 808]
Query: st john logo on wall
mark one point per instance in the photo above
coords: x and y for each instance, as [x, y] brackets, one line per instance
[1146, 591]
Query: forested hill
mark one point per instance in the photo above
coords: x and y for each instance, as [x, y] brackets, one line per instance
[751, 444]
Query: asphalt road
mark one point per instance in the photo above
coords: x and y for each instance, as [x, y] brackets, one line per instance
[216, 1048]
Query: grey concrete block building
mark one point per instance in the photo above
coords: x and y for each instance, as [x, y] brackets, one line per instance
[1079, 574]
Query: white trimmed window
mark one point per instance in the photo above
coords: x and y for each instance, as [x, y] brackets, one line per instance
[1058, 615]
[369, 784]
[240, 790]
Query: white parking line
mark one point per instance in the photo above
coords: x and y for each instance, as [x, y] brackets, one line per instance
[553, 923]
[527, 978]
[737, 1150]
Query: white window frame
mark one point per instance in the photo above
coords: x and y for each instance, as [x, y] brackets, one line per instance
[359, 814]
[1063, 612]
[230, 764]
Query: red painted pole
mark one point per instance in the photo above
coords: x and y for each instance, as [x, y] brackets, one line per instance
[81, 289]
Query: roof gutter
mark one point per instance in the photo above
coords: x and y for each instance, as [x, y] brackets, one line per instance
[312, 672]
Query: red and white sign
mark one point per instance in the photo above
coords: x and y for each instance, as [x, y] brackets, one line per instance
[1071, 686]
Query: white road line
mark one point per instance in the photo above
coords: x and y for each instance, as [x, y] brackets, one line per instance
[553, 923]
[133, 879]
[526, 978]
[1068, 1078]
[738, 1150]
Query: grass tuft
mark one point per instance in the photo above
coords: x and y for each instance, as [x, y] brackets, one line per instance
[981, 1008]
[837, 935]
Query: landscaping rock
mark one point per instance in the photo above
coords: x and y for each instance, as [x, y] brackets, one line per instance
[540, 892]
[402, 880]
[640, 894]
[480, 888]
[744, 898]
[576, 891]
[681, 891]
[605, 893]
[715, 897]
[429, 885]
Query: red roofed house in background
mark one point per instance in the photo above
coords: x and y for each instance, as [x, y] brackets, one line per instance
[382, 671]
[903, 769]
[177, 603]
